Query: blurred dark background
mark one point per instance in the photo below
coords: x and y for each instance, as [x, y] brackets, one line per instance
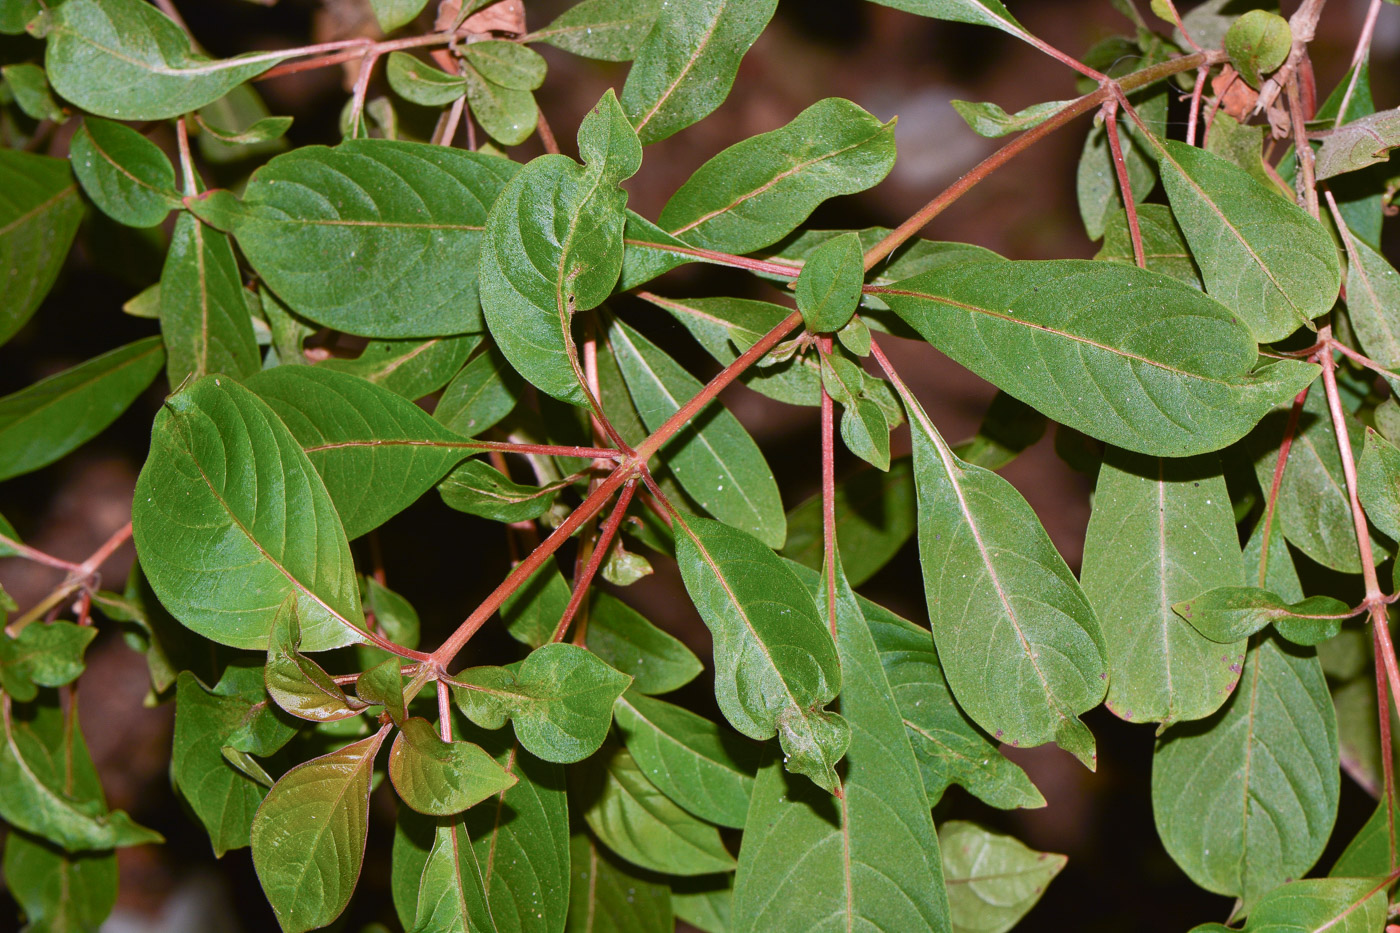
[891, 63]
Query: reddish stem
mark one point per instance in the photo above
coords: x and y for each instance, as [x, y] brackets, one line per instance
[547, 450]
[1195, 110]
[551, 145]
[444, 699]
[1383, 714]
[1125, 185]
[1271, 506]
[765, 266]
[344, 50]
[584, 580]
[829, 552]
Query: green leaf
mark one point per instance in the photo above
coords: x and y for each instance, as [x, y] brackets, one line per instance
[265, 130]
[59, 892]
[392, 14]
[1164, 247]
[38, 217]
[124, 173]
[948, 745]
[988, 119]
[559, 699]
[414, 834]
[411, 368]
[687, 63]
[508, 64]
[204, 314]
[124, 59]
[728, 326]
[479, 489]
[977, 12]
[522, 845]
[480, 395]
[993, 880]
[704, 903]
[30, 88]
[48, 785]
[611, 30]
[1314, 512]
[554, 248]
[713, 458]
[1020, 644]
[1230, 613]
[313, 823]
[1378, 483]
[57, 415]
[238, 126]
[758, 191]
[875, 517]
[373, 237]
[688, 758]
[1257, 43]
[532, 611]
[776, 666]
[621, 636]
[1008, 428]
[382, 685]
[1161, 531]
[415, 80]
[1096, 182]
[298, 684]
[1373, 302]
[1127, 356]
[606, 896]
[639, 823]
[442, 778]
[451, 892]
[1368, 853]
[221, 797]
[864, 429]
[828, 288]
[1260, 254]
[1241, 144]
[1245, 800]
[42, 655]
[225, 480]
[868, 860]
[1359, 143]
[376, 451]
[1335, 905]
[506, 114]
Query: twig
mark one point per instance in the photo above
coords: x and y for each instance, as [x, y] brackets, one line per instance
[1306, 181]
[829, 549]
[1363, 52]
[1194, 113]
[1303, 24]
[546, 135]
[584, 580]
[1125, 185]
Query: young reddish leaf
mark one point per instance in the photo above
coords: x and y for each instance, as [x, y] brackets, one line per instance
[686, 66]
[639, 823]
[775, 663]
[442, 778]
[1019, 642]
[559, 699]
[313, 825]
[226, 480]
[607, 896]
[297, 683]
[124, 173]
[688, 758]
[554, 248]
[126, 60]
[868, 860]
[38, 219]
[400, 222]
[993, 880]
[1161, 531]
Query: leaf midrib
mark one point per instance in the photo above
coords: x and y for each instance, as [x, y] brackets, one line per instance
[690, 64]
